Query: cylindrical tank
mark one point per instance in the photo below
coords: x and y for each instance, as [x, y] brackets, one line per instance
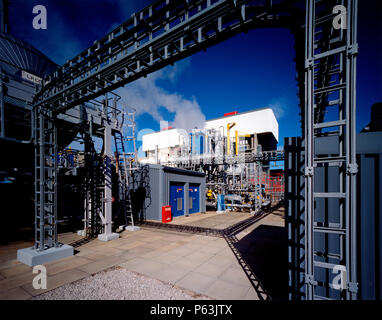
[197, 143]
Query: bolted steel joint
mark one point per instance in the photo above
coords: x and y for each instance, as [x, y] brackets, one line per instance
[309, 171]
[352, 168]
[309, 279]
[352, 50]
[353, 287]
[309, 63]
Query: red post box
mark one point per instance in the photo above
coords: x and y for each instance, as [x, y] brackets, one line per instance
[166, 214]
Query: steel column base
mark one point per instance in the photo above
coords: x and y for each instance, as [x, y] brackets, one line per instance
[108, 237]
[33, 257]
[81, 233]
[131, 228]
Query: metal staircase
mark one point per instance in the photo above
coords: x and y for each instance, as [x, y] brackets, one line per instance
[330, 62]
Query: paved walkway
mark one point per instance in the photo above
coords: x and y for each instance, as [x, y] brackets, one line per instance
[201, 264]
[211, 219]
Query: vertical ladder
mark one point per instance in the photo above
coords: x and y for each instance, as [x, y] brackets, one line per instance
[122, 158]
[93, 188]
[330, 63]
[45, 133]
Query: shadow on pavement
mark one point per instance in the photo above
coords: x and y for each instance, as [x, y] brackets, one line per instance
[265, 251]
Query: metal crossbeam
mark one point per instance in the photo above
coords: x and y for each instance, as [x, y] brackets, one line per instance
[159, 35]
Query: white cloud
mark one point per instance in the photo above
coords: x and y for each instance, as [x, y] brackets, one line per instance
[147, 96]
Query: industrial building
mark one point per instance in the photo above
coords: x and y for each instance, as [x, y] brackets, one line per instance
[233, 134]
[181, 189]
[329, 183]
[224, 150]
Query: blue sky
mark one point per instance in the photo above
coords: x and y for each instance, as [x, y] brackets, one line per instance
[246, 72]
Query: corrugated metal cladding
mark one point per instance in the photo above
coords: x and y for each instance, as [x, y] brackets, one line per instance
[21, 68]
[18, 55]
[369, 211]
[154, 181]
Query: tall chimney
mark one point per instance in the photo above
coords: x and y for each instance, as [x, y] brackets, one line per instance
[4, 16]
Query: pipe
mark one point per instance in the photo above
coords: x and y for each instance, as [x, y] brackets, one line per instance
[236, 142]
[230, 125]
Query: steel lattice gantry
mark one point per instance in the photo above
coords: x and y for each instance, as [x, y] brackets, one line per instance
[157, 36]
[170, 30]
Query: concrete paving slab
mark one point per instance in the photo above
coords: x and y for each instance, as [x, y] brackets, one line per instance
[168, 247]
[148, 268]
[166, 258]
[57, 280]
[193, 245]
[210, 250]
[195, 281]
[9, 256]
[225, 253]
[151, 254]
[221, 244]
[131, 245]
[9, 263]
[93, 255]
[251, 294]
[140, 251]
[66, 264]
[187, 264]
[199, 256]
[221, 261]
[109, 250]
[181, 251]
[103, 264]
[15, 294]
[224, 290]
[236, 265]
[211, 270]
[235, 276]
[198, 262]
[171, 274]
[132, 262]
[156, 244]
[14, 270]
[16, 281]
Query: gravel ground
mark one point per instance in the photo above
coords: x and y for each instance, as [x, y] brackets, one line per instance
[118, 284]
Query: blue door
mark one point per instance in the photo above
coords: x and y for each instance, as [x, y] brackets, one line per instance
[194, 199]
[177, 199]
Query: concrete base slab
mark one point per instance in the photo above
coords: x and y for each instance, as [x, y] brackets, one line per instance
[33, 257]
[108, 237]
[220, 212]
[254, 212]
[128, 228]
[131, 228]
[81, 233]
